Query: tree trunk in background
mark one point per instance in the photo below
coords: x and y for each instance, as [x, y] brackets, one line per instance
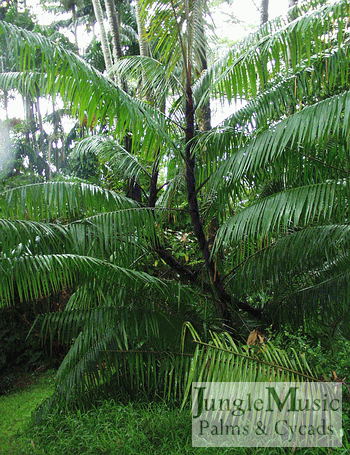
[264, 17]
[40, 122]
[6, 104]
[204, 113]
[49, 159]
[75, 25]
[104, 41]
[113, 22]
[291, 16]
[30, 120]
[116, 42]
[264, 11]
[141, 31]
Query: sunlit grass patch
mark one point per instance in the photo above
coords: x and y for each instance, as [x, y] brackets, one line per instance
[16, 409]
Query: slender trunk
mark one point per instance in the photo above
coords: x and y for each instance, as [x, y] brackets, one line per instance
[6, 104]
[75, 26]
[225, 299]
[184, 272]
[264, 12]
[194, 208]
[104, 41]
[204, 113]
[154, 183]
[141, 30]
[292, 14]
[40, 121]
[30, 120]
[116, 42]
[49, 158]
[113, 22]
[264, 17]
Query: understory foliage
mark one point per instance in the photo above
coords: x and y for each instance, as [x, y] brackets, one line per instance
[223, 230]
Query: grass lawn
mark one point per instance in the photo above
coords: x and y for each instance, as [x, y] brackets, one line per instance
[16, 409]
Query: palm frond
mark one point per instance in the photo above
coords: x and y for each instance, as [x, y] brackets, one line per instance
[53, 200]
[319, 298]
[33, 276]
[32, 236]
[124, 164]
[300, 252]
[157, 82]
[85, 89]
[290, 208]
[131, 350]
[311, 125]
[115, 234]
[223, 360]
[284, 47]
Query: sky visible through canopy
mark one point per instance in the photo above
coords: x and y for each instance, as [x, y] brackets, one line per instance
[232, 20]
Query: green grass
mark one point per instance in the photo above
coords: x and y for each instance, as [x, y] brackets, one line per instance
[134, 428]
[16, 409]
[111, 428]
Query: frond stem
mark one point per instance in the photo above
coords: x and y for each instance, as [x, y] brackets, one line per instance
[274, 365]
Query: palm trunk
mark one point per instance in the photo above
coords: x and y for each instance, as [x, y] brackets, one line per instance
[6, 104]
[224, 298]
[141, 31]
[104, 42]
[49, 158]
[116, 42]
[40, 122]
[204, 113]
[113, 21]
[75, 25]
[194, 207]
[264, 17]
[264, 11]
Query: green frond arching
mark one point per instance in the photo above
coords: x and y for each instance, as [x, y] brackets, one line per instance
[296, 254]
[288, 209]
[157, 82]
[86, 90]
[24, 83]
[160, 374]
[52, 200]
[32, 236]
[287, 94]
[283, 46]
[223, 360]
[312, 125]
[176, 29]
[322, 300]
[304, 102]
[303, 275]
[33, 276]
[116, 234]
[124, 164]
[121, 348]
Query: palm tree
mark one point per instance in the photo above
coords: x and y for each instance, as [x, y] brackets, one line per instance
[276, 172]
[113, 21]
[104, 41]
[264, 12]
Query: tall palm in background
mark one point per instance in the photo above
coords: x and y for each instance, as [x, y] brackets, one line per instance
[274, 176]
